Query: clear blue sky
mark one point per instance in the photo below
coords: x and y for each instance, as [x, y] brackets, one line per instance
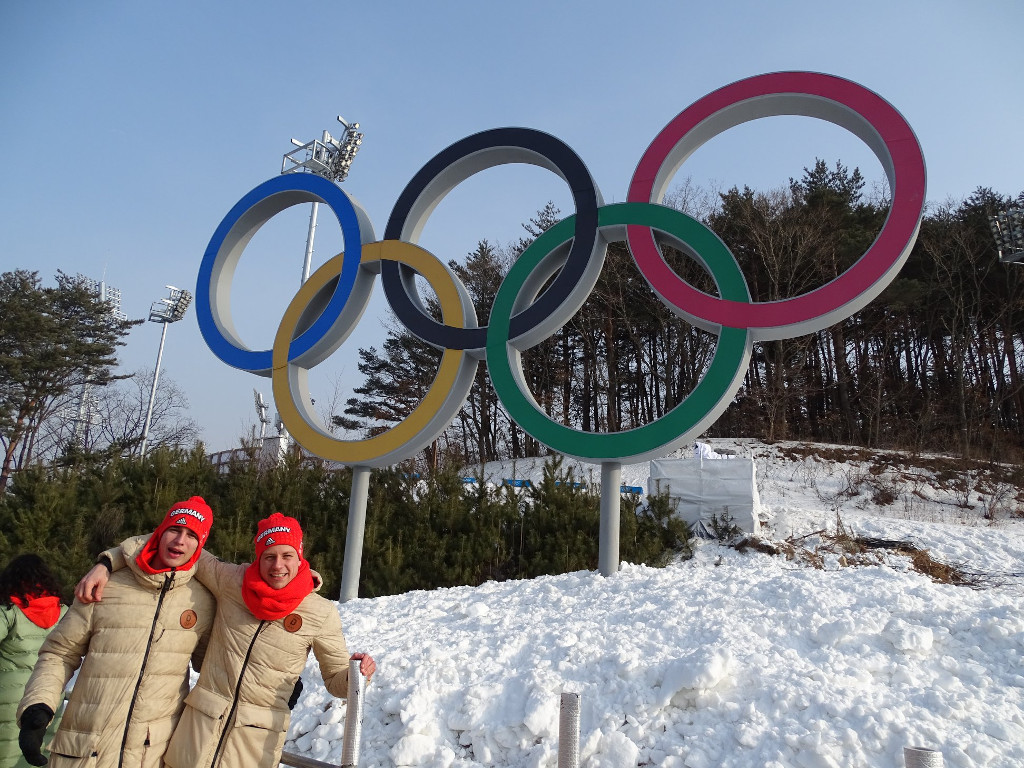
[132, 128]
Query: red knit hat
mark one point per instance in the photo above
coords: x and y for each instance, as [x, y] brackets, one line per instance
[194, 514]
[278, 529]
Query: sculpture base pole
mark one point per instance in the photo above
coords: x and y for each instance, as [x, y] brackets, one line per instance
[354, 536]
[608, 545]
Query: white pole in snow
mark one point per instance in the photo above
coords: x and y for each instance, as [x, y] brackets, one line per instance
[921, 757]
[353, 716]
[569, 731]
[608, 544]
[354, 537]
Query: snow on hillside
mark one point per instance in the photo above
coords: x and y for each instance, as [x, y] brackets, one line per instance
[809, 658]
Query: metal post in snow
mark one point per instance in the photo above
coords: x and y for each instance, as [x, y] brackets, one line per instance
[354, 536]
[569, 731]
[353, 716]
[608, 544]
[922, 757]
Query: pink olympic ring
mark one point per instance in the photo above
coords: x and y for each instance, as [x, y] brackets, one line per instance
[849, 105]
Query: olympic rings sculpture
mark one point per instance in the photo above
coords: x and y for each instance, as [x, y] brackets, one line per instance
[325, 311]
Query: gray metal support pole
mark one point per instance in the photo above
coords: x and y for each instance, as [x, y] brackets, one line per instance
[354, 537]
[353, 716]
[308, 261]
[920, 757]
[152, 391]
[569, 731]
[608, 545]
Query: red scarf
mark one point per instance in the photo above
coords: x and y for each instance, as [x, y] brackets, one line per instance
[43, 611]
[149, 561]
[270, 604]
[148, 557]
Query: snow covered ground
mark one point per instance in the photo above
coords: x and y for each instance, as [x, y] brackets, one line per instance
[728, 659]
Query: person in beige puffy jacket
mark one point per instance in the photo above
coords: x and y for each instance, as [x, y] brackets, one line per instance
[134, 651]
[268, 619]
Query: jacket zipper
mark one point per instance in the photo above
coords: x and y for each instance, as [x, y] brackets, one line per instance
[234, 700]
[168, 580]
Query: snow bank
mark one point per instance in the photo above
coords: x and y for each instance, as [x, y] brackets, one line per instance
[729, 659]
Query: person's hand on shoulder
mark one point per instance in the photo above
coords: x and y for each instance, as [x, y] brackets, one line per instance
[90, 588]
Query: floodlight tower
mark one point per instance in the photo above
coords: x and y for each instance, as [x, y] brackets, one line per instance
[112, 298]
[165, 311]
[328, 157]
[108, 294]
[261, 413]
[1008, 231]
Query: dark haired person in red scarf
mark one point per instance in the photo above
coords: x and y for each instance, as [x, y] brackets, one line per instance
[29, 608]
[132, 653]
[268, 620]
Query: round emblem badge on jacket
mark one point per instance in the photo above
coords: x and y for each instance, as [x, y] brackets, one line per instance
[188, 619]
[292, 622]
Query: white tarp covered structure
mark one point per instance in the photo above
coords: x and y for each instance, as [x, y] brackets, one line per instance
[710, 484]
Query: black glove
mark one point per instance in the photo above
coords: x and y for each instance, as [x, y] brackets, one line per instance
[294, 698]
[33, 727]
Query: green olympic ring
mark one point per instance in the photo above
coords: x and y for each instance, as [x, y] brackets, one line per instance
[695, 413]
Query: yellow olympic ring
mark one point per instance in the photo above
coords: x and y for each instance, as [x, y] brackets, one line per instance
[439, 406]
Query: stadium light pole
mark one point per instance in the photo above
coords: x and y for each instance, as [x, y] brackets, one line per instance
[165, 311]
[331, 158]
[328, 157]
[261, 413]
[1008, 231]
[83, 417]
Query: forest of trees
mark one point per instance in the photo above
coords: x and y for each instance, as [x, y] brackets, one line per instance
[932, 364]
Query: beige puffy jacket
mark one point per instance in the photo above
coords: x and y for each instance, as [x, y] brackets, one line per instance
[237, 715]
[136, 644]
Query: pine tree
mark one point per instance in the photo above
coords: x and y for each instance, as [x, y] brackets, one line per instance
[51, 341]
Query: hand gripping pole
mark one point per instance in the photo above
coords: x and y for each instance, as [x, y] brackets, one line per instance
[353, 716]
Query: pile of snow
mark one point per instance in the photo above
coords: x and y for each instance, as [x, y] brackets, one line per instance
[728, 659]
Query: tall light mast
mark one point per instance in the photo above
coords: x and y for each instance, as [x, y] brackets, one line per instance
[165, 311]
[328, 157]
[84, 416]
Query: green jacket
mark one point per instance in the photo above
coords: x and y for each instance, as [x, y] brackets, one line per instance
[20, 639]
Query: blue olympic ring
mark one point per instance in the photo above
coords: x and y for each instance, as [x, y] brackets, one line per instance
[213, 304]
